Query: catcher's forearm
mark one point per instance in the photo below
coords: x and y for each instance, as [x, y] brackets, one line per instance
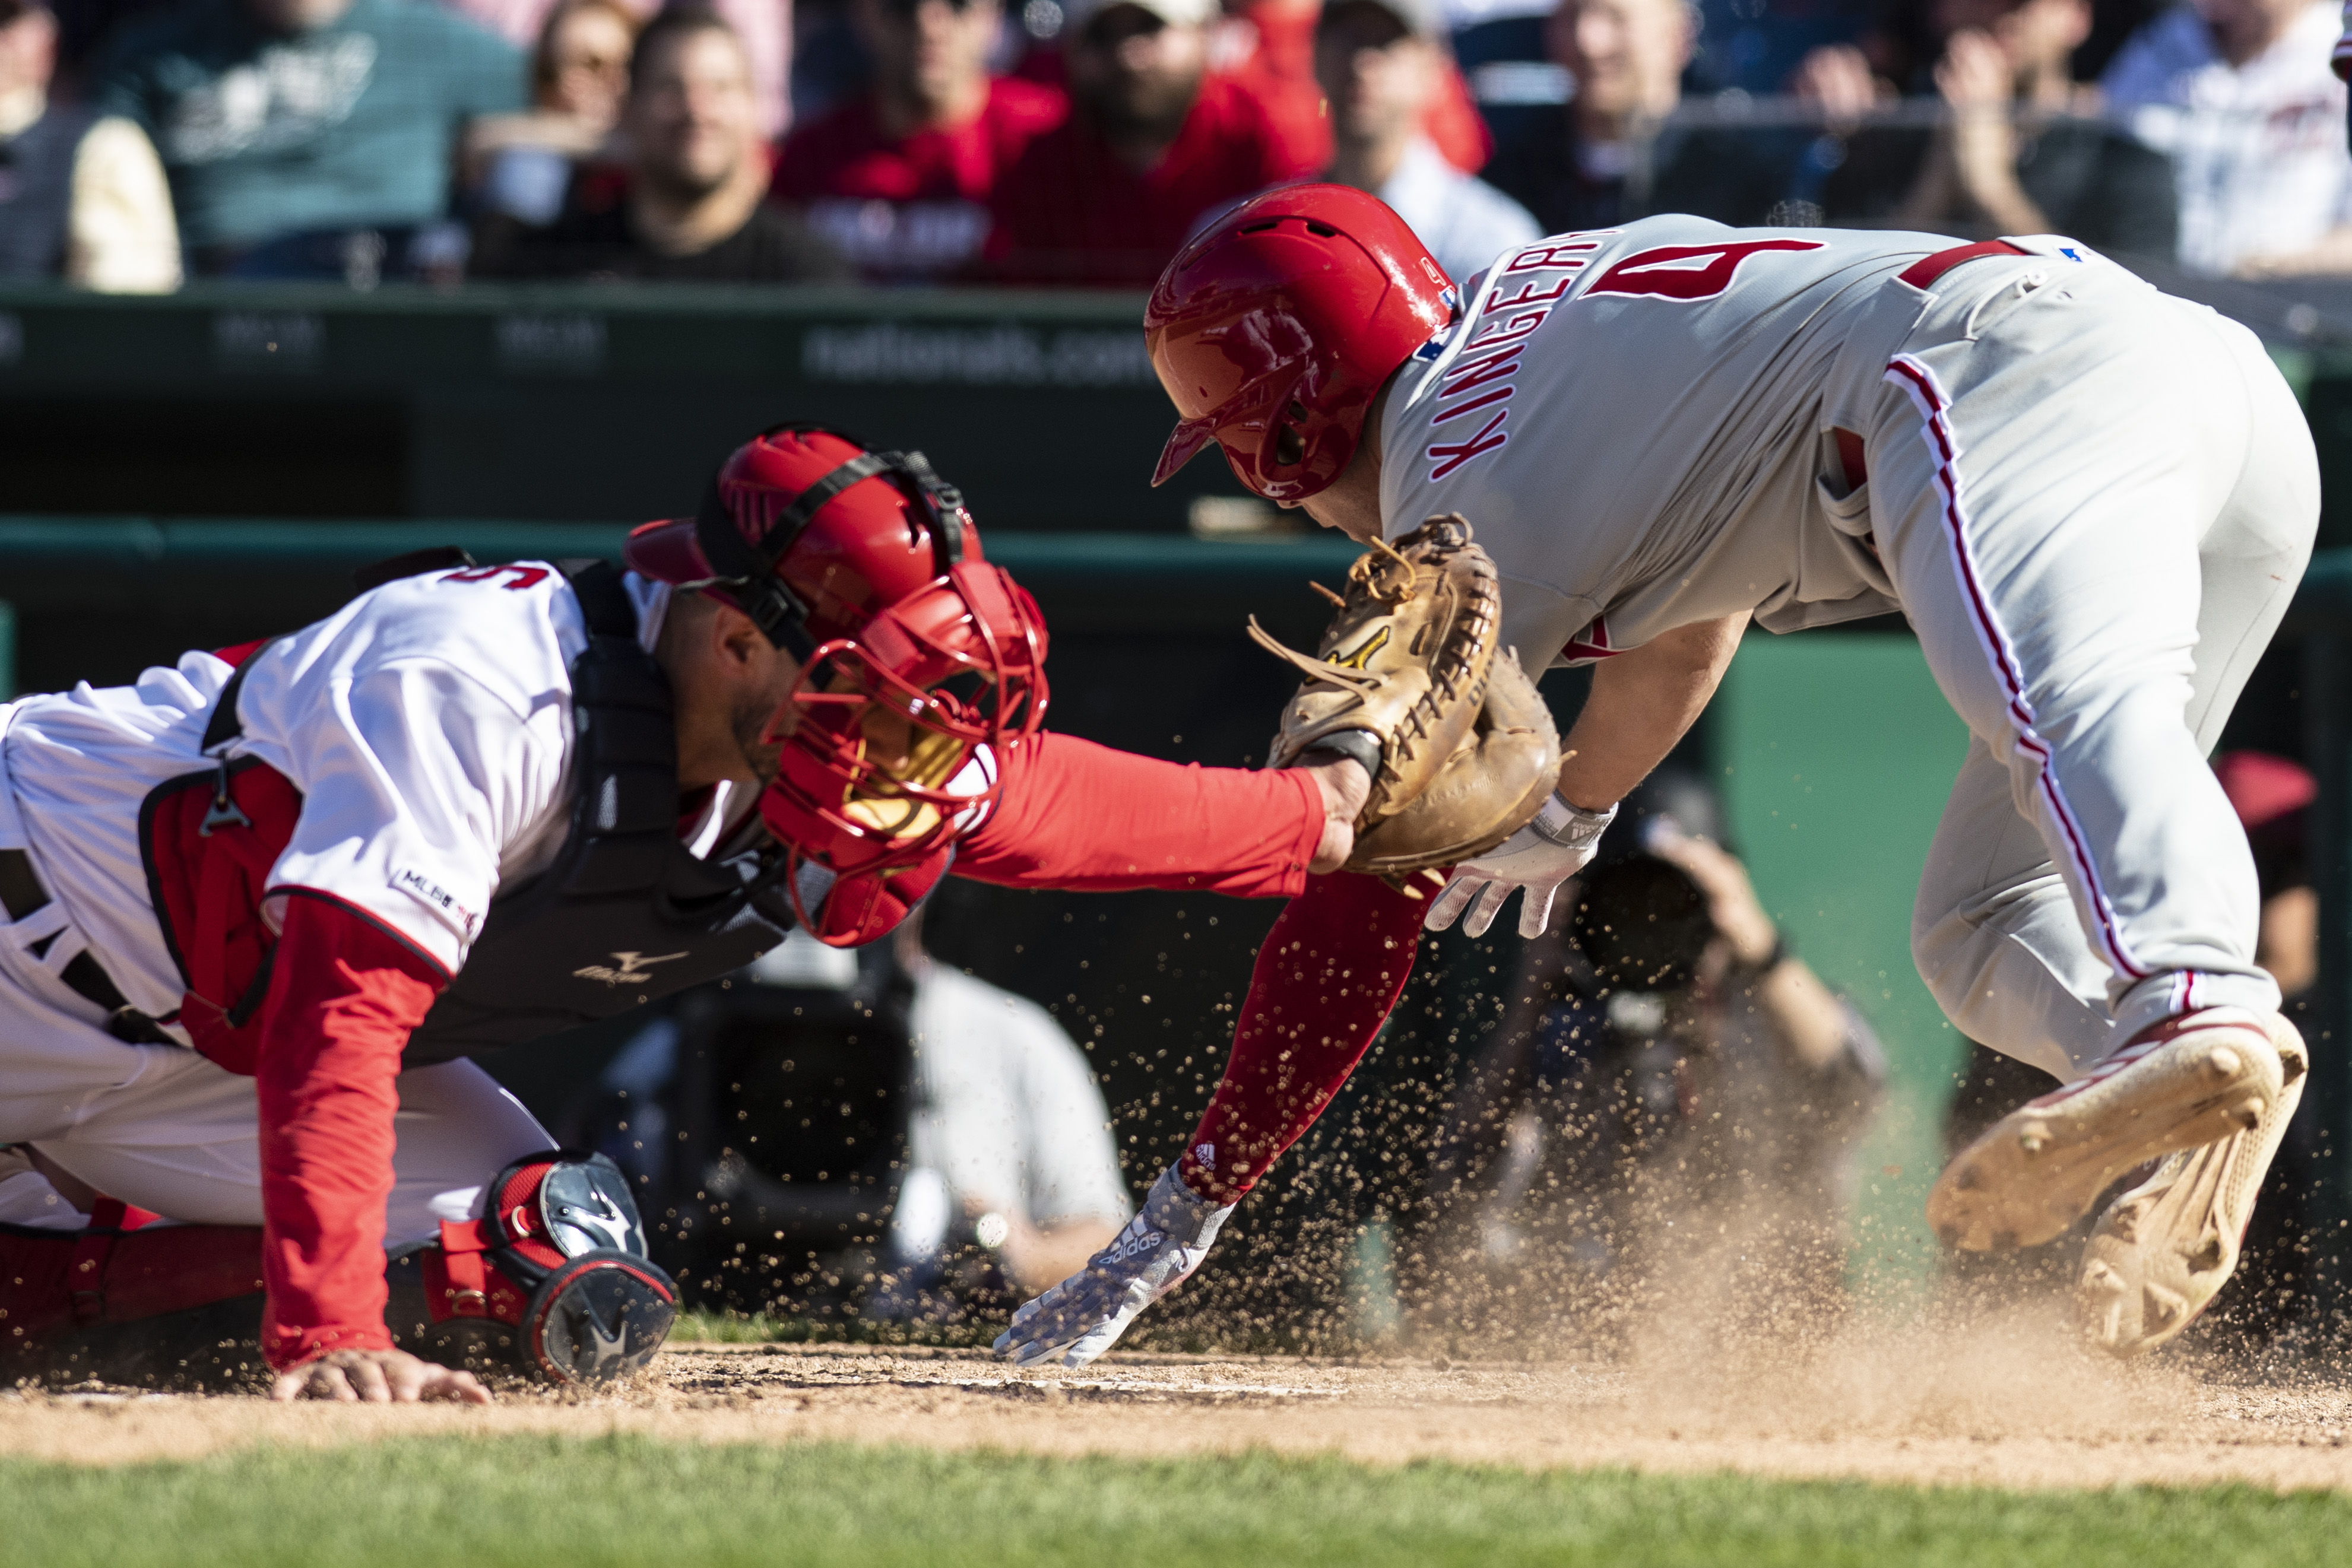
[1642, 702]
[1090, 819]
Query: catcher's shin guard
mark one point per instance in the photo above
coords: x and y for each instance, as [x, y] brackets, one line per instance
[127, 1300]
[554, 1280]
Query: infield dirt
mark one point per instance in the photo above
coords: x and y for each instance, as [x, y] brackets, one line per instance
[2010, 1404]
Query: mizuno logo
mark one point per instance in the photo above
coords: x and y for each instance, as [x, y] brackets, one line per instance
[626, 969]
[607, 1346]
[1355, 661]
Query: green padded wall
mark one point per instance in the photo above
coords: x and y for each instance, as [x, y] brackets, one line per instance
[1837, 752]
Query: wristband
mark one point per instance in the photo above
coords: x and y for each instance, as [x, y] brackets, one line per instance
[1569, 827]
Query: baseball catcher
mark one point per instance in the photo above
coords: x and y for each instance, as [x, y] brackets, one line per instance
[263, 907]
[2092, 501]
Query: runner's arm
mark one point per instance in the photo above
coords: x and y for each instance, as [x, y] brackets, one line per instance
[1643, 700]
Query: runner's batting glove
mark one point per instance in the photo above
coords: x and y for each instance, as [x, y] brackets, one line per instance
[1085, 1314]
[1558, 844]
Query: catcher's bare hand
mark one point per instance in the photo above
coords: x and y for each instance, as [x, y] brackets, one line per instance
[1344, 786]
[377, 1377]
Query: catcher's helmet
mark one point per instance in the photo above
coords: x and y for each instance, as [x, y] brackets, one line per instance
[1276, 330]
[915, 652]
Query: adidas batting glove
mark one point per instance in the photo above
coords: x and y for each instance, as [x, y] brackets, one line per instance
[1083, 1315]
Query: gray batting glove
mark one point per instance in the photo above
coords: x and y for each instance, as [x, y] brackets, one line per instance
[1533, 861]
[1083, 1315]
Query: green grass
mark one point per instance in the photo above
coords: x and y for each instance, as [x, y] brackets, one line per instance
[628, 1499]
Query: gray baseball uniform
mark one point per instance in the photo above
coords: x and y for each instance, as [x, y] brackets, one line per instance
[2092, 500]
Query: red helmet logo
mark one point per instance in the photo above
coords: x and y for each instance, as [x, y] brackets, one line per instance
[1274, 330]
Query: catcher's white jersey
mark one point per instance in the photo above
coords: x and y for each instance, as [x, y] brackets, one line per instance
[427, 724]
[1637, 422]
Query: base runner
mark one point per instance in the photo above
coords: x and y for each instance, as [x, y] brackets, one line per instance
[260, 907]
[2092, 501]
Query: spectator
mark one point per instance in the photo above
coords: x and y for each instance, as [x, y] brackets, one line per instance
[1581, 167]
[81, 197]
[764, 25]
[306, 138]
[1378, 62]
[2240, 93]
[1152, 144]
[1011, 1162]
[521, 164]
[2021, 152]
[900, 178]
[1276, 61]
[1673, 1077]
[689, 208]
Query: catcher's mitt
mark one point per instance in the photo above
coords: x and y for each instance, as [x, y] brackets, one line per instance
[1468, 750]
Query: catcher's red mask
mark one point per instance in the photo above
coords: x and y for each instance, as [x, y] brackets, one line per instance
[918, 656]
[892, 740]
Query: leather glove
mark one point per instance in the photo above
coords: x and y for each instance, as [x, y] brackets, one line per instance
[1085, 1314]
[1409, 680]
[1558, 844]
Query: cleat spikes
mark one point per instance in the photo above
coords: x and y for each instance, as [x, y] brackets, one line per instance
[2189, 1083]
[2166, 1247]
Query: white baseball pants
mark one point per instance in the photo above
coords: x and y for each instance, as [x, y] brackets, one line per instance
[2095, 502]
[163, 1128]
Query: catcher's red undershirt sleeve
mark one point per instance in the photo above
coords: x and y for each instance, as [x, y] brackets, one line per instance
[343, 995]
[1326, 978]
[1076, 815]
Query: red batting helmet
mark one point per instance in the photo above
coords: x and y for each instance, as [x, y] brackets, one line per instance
[915, 653]
[1276, 330]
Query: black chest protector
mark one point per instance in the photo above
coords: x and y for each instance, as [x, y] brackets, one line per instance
[624, 913]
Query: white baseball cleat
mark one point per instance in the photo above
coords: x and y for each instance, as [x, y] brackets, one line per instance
[2163, 1250]
[2189, 1081]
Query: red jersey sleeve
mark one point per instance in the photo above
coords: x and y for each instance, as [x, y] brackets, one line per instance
[1083, 817]
[344, 993]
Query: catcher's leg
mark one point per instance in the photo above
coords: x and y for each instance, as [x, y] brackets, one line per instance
[551, 1283]
[551, 1280]
[119, 1296]
[2094, 572]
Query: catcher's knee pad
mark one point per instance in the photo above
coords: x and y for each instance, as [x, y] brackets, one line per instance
[127, 1300]
[553, 1280]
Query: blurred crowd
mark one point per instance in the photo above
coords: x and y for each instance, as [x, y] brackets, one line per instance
[1079, 141]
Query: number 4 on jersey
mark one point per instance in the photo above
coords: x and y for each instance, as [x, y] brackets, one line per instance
[1686, 271]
